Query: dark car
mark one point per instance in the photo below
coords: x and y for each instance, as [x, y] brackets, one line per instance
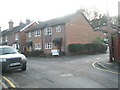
[10, 59]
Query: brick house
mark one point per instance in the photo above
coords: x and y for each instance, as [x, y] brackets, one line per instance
[15, 36]
[48, 35]
[101, 25]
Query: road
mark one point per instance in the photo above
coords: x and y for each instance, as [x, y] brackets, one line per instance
[64, 72]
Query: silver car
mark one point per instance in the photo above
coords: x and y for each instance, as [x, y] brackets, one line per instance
[10, 59]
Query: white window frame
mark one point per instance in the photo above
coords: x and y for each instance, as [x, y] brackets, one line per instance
[37, 46]
[6, 38]
[48, 45]
[58, 28]
[30, 34]
[17, 36]
[37, 33]
[48, 31]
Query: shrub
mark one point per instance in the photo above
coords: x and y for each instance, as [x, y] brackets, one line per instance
[88, 48]
[34, 53]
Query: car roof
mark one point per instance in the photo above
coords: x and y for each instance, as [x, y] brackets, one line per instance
[4, 46]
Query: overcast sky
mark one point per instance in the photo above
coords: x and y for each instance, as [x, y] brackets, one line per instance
[42, 10]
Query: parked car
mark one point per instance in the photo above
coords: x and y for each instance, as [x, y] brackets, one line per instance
[11, 59]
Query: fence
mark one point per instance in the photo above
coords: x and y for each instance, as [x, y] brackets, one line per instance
[116, 47]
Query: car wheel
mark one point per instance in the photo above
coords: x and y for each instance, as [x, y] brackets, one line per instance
[23, 67]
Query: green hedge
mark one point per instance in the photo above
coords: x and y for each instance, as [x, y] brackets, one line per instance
[34, 53]
[88, 48]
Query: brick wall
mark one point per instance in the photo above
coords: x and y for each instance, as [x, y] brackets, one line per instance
[78, 30]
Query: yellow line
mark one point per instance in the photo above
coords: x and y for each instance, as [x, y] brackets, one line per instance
[11, 84]
[104, 69]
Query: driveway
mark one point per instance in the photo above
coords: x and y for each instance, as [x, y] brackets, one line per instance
[64, 72]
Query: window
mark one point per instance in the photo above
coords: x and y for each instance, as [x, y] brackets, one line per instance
[97, 28]
[1, 39]
[16, 36]
[37, 33]
[48, 31]
[104, 23]
[29, 34]
[58, 29]
[38, 46]
[48, 45]
[105, 33]
[6, 38]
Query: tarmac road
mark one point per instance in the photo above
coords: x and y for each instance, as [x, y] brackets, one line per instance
[65, 72]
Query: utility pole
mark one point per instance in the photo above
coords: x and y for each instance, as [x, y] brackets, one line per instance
[109, 36]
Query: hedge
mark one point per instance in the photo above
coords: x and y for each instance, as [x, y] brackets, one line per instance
[88, 48]
[34, 53]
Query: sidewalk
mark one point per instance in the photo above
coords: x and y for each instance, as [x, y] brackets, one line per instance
[111, 66]
[2, 85]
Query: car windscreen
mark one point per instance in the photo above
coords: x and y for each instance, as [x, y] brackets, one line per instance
[7, 50]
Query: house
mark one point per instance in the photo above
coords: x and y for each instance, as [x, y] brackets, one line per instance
[58, 33]
[15, 36]
[101, 24]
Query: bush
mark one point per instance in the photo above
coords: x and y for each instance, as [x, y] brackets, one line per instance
[89, 48]
[34, 53]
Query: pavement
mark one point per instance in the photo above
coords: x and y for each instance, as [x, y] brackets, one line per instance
[2, 85]
[104, 64]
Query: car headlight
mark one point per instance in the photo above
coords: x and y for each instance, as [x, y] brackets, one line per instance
[2, 60]
[23, 57]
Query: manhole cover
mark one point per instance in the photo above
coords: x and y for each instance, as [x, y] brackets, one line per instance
[66, 75]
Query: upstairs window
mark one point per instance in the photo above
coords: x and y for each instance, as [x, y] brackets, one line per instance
[16, 36]
[29, 34]
[58, 28]
[48, 31]
[37, 33]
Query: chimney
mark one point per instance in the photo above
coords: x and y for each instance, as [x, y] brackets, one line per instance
[39, 22]
[21, 23]
[10, 24]
[28, 21]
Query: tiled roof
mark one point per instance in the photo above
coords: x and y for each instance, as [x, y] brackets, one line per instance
[15, 29]
[52, 22]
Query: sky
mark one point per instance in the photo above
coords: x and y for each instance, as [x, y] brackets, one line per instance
[20, 10]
